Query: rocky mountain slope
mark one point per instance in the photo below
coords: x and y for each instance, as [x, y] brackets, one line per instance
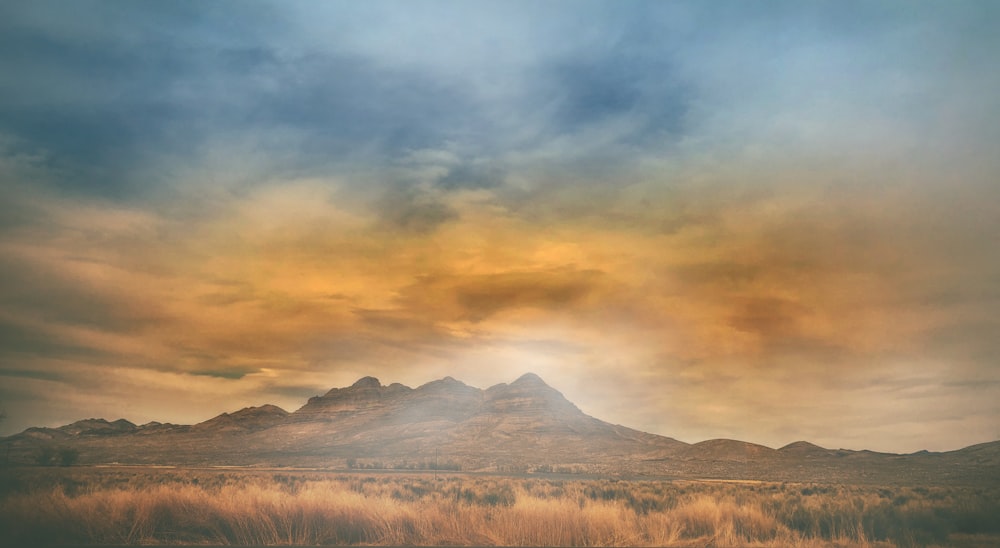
[522, 427]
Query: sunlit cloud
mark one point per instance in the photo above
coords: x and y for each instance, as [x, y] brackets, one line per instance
[697, 223]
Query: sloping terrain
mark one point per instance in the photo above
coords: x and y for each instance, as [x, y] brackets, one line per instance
[445, 423]
[524, 426]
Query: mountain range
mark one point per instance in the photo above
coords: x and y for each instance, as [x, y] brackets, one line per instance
[522, 427]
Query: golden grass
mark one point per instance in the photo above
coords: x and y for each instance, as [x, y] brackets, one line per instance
[233, 508]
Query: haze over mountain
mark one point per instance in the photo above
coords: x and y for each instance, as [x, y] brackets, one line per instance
[521, 427]
[695, 218]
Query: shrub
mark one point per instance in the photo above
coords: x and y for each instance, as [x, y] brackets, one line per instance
[89, 506]
[46, 455]
[68, 456]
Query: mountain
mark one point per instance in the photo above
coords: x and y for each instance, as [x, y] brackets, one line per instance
[517, 426]
[724, 449]
[98, 427]
[85, 427]
[805, 450]
[982, 453]
[246, 419]
[522, 427]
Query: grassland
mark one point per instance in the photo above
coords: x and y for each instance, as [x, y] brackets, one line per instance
[74, 506]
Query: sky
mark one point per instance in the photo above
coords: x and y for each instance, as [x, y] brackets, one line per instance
[770, 221]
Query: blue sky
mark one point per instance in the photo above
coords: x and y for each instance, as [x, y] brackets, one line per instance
[770, 222]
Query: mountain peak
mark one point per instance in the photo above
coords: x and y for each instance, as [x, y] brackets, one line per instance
[801, 446]
[97, 426]
[263, 410]
[248, 418]
[367, 382]
[447, 383]
[529, 378]
[528, 394]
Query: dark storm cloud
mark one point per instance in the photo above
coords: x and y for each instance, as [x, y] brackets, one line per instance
[116, 98]
[86, 90]
[488, 295]
[394, 339]
[346, 104]
[412, 210]
[18, 340]
[60, 297]
[770, 318]
[633, 80]
[33, 374]
[970, 340]
[109, 112]
[456, 297]
[471, 174]
[228, 373]
[726, 273]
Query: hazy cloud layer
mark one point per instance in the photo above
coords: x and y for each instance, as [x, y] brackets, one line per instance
[768, 222]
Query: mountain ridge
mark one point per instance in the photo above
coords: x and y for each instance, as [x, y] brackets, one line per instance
[522, 426]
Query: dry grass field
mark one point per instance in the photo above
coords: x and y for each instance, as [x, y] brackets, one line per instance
[233, 507]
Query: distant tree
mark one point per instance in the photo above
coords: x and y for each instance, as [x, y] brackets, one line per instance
[68, 456]
[46, 455]
[352, 462]
[6, 453]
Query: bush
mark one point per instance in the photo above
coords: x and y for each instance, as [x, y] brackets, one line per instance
[46, 455]
[94, 506]
[68, 456]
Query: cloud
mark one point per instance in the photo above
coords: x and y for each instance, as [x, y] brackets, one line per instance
[474, 298]
[413, 210]
[113, 119]
[729, 215]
